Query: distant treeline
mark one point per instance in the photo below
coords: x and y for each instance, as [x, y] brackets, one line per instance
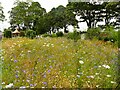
[27, 15]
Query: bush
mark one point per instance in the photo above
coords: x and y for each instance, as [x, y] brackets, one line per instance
[75, 35]
[59, 34]
[46, 35]
[53, 35]
[104, 36]
[30, 34]
[93, 33]
[22, 33]
[8, 34]
[109, 34]
[119, 39]
[113, 36]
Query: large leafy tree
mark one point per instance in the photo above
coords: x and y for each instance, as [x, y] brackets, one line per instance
[35, 11]
[92, 12]
[19, 15]
[114, 12]
[43, 25]
[26, 14]
[61, 17]
[87, 11]
[2, 17]
[69, 19]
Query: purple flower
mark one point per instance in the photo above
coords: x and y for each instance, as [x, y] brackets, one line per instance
[33, 75]
[31, 85]
[15, 61]
[48, 71]
[16, 76]
[45, 83]
[24, 71]
[50, 66]
[44, 75]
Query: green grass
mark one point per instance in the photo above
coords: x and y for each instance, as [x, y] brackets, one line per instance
[56, 63]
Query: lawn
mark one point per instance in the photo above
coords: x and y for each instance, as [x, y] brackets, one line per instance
[58, 63]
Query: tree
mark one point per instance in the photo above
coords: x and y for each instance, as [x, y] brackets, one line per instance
[87, 11]
[35, 11]
[70, 19]
[92, 12]
[26, 14]
[43, 25]
[2, 17]
[114, 12]
[18, 15]
[61, 17]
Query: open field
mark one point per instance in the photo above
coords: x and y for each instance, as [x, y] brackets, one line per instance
[58, 63]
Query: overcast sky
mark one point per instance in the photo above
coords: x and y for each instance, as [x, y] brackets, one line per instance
[47, 4]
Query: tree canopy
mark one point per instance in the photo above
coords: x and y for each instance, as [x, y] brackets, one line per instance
[91, 13]
[30, 15]
[2, 17]
[61, 17]
[26, 14]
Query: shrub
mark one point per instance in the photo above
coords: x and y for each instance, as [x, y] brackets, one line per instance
[53, 35]
[22, 33]
[109, 35]
[93, 33]
[59, 34]
[112, 34]
[75, 35]
[119, 38]
[46, 35]
[8, 34]
[30, 34]
[104, 36]
[109, 28]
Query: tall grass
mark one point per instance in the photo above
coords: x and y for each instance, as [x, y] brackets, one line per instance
[58, 63]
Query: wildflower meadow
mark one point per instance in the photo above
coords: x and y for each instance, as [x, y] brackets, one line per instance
[58, 63]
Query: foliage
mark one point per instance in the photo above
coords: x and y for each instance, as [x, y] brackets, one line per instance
[43, 25]
[22, 33]
[59, 34]
[26, 14]
[35, 17]
[58, 63]
[119, 38]
[104, 36]
[30, 34]
[2, 17]
[46, 35]
[109, 34]
[35, 12]
[113, 11]
[61, 17]
[74, 35]
[93, 33]
[93, 12]
[53, 35]
[8, 34]
[86, 11]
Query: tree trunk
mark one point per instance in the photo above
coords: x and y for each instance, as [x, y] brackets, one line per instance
[65, 29]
